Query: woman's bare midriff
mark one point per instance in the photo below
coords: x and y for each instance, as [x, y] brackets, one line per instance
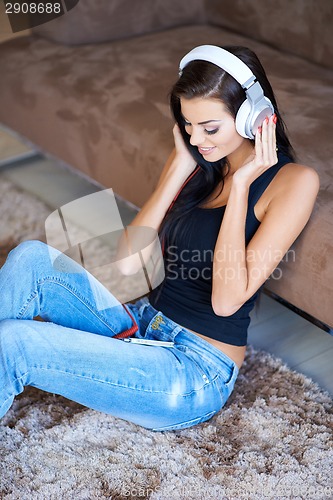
[236, 353]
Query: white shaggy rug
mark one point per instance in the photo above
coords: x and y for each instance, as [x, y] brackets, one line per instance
[273, 439]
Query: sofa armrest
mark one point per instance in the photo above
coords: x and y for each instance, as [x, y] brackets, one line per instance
[93, 22]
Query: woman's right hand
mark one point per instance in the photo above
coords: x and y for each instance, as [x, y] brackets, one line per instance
[177, 169]
[183, 157]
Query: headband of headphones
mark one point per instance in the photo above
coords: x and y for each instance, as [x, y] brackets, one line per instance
[222, 58]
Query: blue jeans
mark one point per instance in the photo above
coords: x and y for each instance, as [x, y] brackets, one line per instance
[72, 353]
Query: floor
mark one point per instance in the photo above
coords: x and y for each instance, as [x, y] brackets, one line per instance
[274, 328]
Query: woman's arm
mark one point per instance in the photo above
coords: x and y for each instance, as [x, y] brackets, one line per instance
[178, 167]
[239, 271]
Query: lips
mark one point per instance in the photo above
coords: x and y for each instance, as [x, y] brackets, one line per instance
[205, 151]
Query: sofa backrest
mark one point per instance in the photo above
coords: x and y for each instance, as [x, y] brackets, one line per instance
[93, 21]
[300, 27]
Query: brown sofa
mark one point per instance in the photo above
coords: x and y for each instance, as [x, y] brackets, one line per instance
[91, 88]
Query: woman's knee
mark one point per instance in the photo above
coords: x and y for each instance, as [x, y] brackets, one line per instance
[30, 249]
[43, 259]
[29, 254]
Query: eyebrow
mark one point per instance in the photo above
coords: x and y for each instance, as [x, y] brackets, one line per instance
[204, 123]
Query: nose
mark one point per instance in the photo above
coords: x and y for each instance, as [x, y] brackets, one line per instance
[197, 136]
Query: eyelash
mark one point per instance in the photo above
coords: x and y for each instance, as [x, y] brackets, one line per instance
[209, 132]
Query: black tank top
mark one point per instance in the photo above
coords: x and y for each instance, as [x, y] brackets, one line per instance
[185, 294]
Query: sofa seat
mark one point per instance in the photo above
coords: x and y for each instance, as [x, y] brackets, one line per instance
[103, 109]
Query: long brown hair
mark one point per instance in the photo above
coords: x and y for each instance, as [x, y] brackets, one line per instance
[204, 79]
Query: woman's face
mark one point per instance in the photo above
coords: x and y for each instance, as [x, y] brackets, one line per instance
[211, 128]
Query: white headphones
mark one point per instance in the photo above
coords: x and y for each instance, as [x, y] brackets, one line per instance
[256, 106]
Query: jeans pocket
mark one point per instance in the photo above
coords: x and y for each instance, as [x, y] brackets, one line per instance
[227, 382]
[203, 365]
[231, 377]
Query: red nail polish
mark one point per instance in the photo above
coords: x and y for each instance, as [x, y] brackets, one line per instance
[274, 118]
[259, 130]
[266, 120]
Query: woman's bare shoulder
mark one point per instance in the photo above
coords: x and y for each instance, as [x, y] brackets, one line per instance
[295, 180]
[295, 177]
[297, 169]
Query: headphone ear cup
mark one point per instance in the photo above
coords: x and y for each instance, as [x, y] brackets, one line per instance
[242, 118]
[263, 108]
[248, 120]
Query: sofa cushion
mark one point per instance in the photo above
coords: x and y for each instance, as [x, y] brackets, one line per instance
[302, 28]
[104, 110]
[104, 20]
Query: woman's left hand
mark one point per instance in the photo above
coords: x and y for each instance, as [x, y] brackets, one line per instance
[265, 155]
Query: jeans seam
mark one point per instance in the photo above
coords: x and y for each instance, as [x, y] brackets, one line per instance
[36, 367]
[17, 379]
[29, 300]
[219, 384]
[185, 423]
[74, 292]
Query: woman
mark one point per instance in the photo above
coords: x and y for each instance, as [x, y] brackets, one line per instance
[229, 203]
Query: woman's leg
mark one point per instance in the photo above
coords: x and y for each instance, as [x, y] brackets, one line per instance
[65, 293]
[152, 386]
[156, 387]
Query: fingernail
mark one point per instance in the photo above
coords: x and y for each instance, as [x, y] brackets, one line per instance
[259, 130]
[274, 118]
[266, 120]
